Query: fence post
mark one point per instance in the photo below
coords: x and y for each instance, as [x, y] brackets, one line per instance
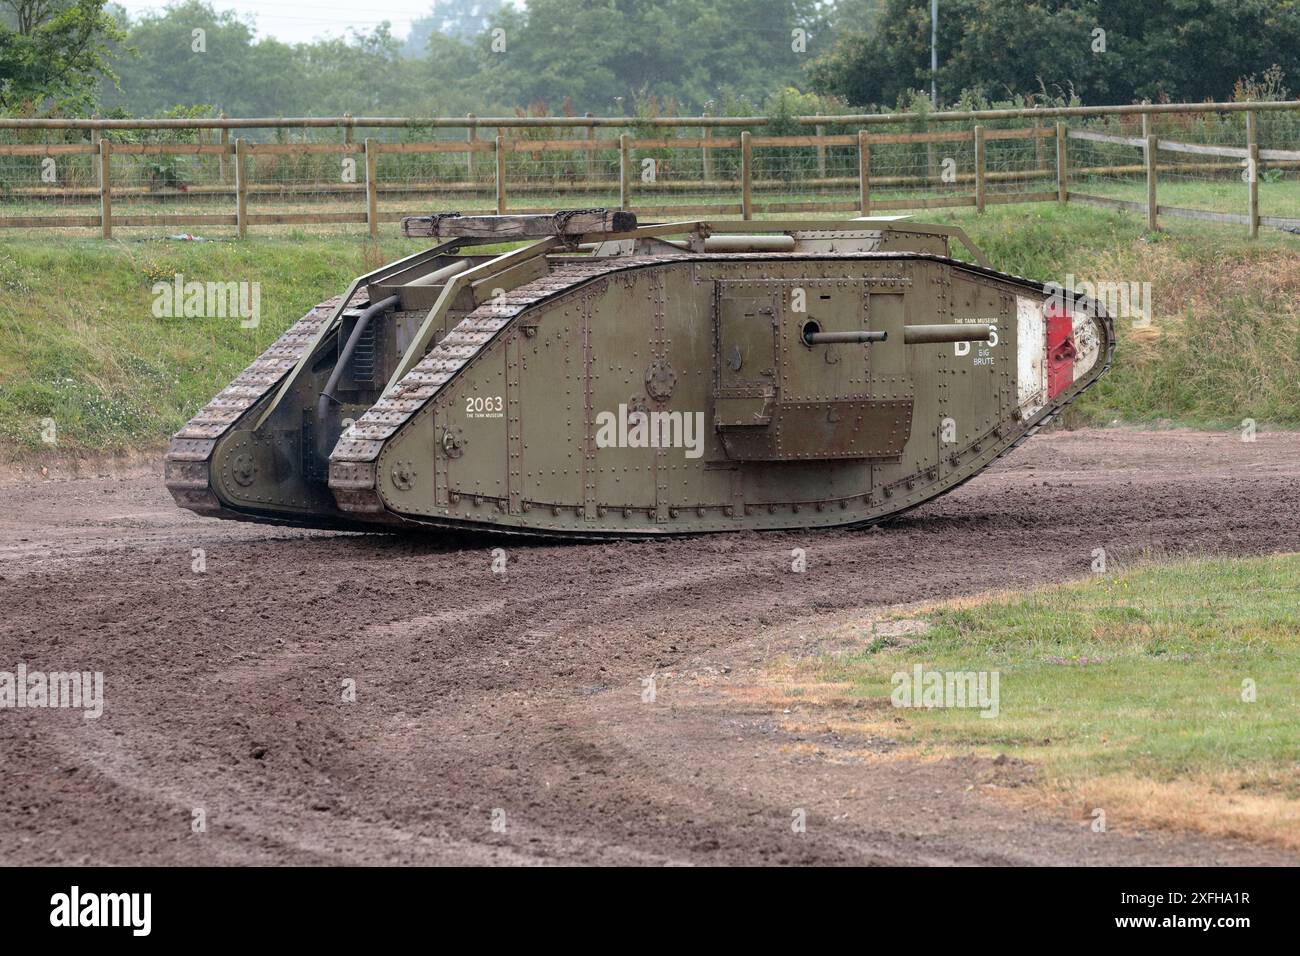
[929, 152]
[706, 156]
[1152, 149]
[1040, 154]
[95, 137]
[591, 152]
[1062, 163]
[624, 181]
[105, 190]
[241, 188]
[222, 173]
[864, 173]
[501, 174]
[372, 187]
[746, 177]
[820, 131]
[979, 168]
[347, 128]
[1252, 173]
[471, 137]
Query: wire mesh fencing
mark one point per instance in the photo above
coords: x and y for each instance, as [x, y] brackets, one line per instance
[1278, 167]
[678, 176]
[796, 175]
[1020, 164]
[1201, 162]
[546, 172]
[49, 178]
[300, 183]
[1230, 164]
[1106, 163]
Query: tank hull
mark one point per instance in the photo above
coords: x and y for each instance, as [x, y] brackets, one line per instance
[639, 395]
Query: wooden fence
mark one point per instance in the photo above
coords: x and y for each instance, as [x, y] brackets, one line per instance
[1250, 161]
[1046, 175]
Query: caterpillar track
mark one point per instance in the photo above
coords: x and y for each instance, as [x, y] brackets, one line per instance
[610, 380]
[189, 456]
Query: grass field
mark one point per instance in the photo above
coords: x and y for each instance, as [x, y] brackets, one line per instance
[1160, 693]
[79, 344]
[1277, 197]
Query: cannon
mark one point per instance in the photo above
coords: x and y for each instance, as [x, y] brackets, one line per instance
[582, 374]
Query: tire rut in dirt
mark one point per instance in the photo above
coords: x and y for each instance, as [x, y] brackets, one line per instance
[478, 691]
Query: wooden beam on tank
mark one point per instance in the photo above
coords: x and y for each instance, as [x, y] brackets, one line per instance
[329, 326]
[492, 268]
[577, 222]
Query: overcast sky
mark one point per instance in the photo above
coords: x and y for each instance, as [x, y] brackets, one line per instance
[293, 20]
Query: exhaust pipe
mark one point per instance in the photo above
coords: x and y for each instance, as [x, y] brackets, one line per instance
[363, 320]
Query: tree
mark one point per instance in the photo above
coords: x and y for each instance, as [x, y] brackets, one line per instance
[190, 54]
[463, 20]
[54, 53]
[601, 52]
[1105, 51]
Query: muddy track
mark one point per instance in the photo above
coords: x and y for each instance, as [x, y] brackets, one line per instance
[522, 692]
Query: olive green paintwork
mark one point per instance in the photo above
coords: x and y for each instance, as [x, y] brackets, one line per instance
[525, 394]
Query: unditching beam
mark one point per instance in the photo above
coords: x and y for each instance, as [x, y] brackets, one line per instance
[576, 222]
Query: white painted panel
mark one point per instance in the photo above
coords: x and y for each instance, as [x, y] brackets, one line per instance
[1031, 356]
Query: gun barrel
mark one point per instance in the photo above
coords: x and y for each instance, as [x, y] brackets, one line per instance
[926, 334]
[842, 338]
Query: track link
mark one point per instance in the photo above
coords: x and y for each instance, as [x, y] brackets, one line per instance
[187, 465]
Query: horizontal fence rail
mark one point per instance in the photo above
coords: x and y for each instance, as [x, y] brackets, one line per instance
[471, 121]
[1209, 160]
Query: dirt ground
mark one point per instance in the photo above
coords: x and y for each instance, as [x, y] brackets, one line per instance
[517, 697]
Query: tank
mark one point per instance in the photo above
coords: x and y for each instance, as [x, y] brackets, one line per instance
[608, 379]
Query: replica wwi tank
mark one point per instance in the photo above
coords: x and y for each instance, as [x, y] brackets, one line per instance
[607, 379]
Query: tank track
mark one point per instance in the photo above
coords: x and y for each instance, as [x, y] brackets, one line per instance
[189, 455]
[352, 471]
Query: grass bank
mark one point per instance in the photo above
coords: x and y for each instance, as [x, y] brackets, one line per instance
[1223, 342]
[80, 345]
[1163, 695]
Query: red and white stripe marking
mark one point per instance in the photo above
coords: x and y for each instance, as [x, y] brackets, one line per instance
[1055, 348]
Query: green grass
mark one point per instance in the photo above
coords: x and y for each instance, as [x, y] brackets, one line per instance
[1278, 196]
[1139, 673]
[78, 342]
[1224, 344]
